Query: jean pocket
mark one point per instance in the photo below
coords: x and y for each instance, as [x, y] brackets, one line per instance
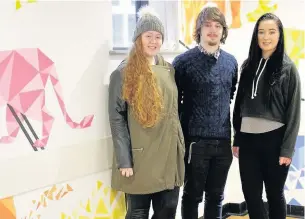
[200, 147]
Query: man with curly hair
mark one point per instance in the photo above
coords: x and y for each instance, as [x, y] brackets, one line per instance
[206, 78]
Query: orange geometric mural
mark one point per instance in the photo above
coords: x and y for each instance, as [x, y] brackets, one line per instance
[55, 193]
[7, 208]
[191, 10]
[235, 11]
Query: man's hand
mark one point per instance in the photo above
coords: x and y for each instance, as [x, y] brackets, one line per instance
[284, 160]
[126, 172]
[235, 151]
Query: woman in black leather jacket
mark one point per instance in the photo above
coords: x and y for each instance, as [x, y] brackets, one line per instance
[266, 119]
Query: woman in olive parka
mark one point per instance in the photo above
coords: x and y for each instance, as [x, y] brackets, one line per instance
[147, 137]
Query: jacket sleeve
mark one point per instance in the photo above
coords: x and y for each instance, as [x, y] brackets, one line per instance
[117, 111]
[237, 116]
[293, 114]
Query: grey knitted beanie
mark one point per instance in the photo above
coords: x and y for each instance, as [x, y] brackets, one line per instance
[148, 21]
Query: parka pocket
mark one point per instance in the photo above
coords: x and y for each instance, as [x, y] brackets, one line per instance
[181, 142]
[136, 154]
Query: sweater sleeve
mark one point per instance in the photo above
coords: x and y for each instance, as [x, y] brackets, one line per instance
[234, 79]
[293, 114]
[179, 72]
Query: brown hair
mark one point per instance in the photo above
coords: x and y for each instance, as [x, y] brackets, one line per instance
[140, 88]
[214, 14]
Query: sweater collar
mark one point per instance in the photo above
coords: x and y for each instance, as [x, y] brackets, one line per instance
[214, 54]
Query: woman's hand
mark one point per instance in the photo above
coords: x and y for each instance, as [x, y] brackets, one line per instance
[126, 172]
[235, 151]
[284, 160]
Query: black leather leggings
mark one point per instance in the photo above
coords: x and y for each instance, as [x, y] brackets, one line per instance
[164, 204]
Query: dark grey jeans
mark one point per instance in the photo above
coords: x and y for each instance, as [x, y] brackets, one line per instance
[207, 164]
[164, 204]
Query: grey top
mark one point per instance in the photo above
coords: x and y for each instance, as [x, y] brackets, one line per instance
[258, 125]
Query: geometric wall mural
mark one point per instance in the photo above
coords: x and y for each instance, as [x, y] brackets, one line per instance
[263, 7]
[190, 10]
[7, 208]
[295, 183]
[23, 77]
[55, 193]
[24, 74]
[294, 43]
[294, 38]
[19, 5]
[104, 203]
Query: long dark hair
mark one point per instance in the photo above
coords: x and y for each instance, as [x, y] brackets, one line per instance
[275, 61]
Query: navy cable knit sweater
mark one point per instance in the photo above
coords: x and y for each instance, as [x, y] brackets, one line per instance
[206, 86]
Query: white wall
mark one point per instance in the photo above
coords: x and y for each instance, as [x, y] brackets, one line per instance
[76, 36]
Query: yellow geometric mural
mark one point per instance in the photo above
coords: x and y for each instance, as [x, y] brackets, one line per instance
[104, 203]
[263, 7]
[190, 12]
[19, 5]
[294, 43]
[7, 208]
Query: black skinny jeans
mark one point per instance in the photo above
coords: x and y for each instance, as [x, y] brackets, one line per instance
[164, 204]
[206, 171]
[259, 163]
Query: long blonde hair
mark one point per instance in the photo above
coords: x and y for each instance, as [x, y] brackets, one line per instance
[140, 89]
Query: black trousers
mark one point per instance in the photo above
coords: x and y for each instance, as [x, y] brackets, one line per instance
[164, 204]
[207, 164]
[259, 163]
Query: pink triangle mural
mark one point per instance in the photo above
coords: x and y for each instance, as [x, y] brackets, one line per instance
[26, 71]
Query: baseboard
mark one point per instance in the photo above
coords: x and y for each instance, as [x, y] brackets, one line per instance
[240, 209]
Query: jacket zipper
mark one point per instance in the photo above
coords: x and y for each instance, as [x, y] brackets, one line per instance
[137, 149]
